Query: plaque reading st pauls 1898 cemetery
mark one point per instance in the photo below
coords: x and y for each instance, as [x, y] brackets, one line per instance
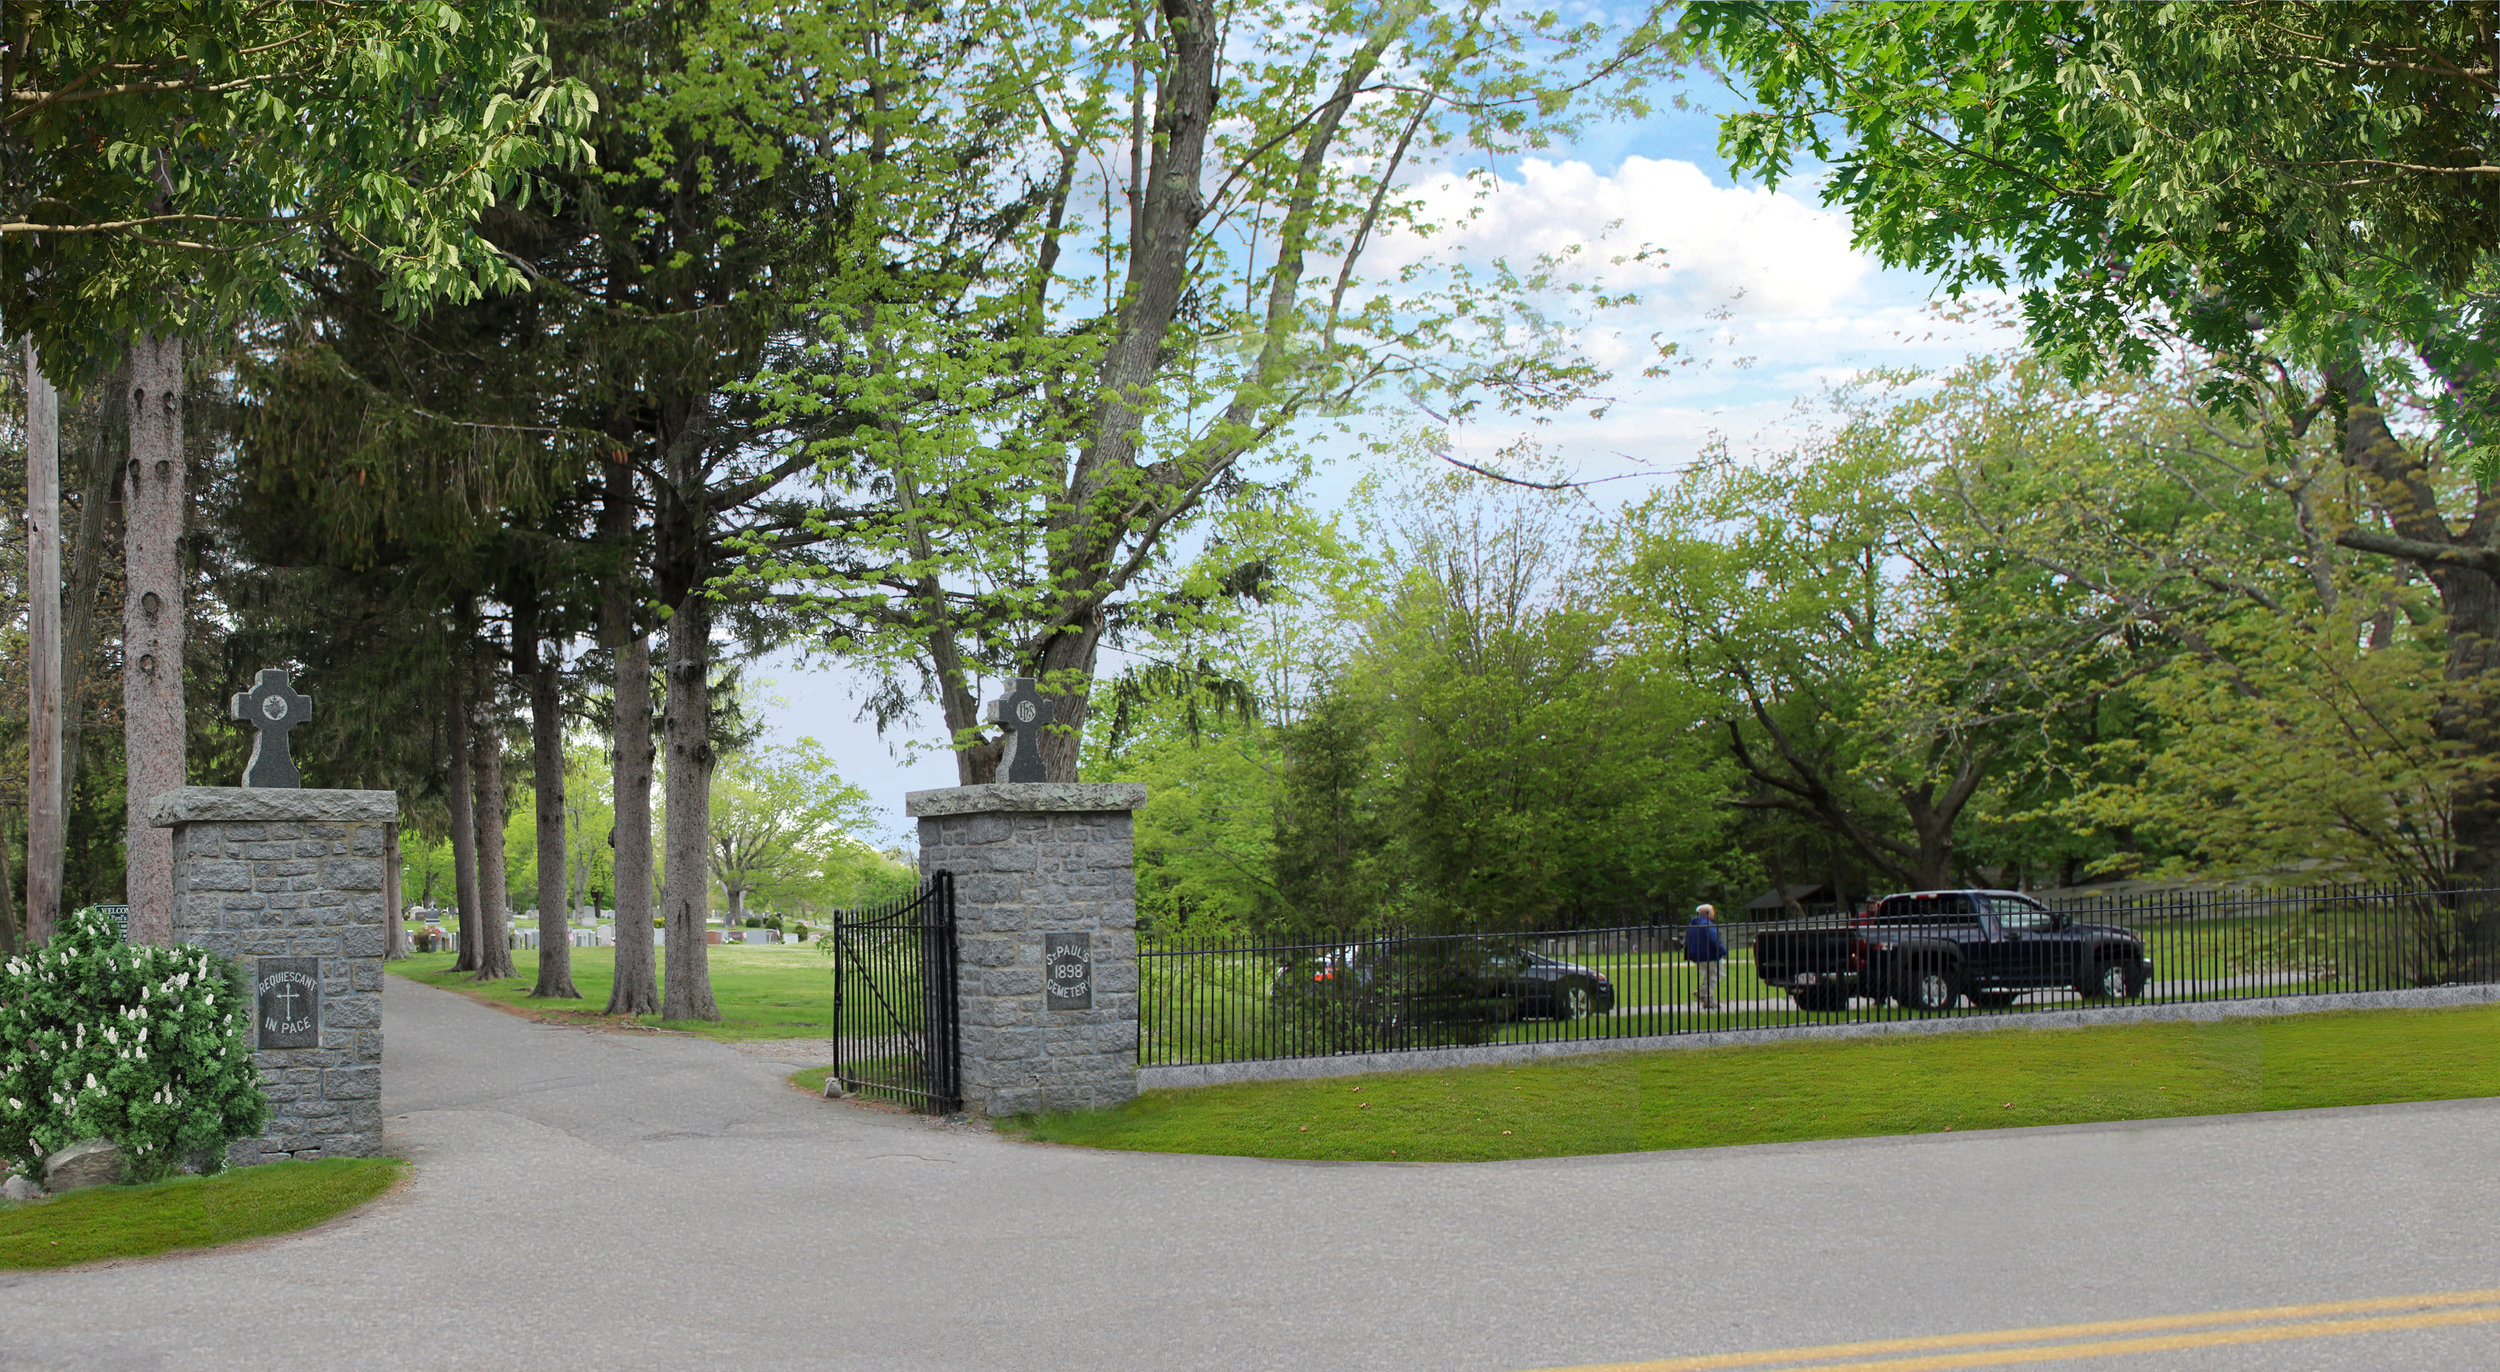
[286, 1000]
[1068, 969]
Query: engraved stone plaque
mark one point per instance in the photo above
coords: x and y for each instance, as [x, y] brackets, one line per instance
[1068, 971]
[286, 1002]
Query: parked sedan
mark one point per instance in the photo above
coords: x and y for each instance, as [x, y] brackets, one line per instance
[1539, 987]
[1433, 980]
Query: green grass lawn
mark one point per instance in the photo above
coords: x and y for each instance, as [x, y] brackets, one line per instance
[1844, 1088]
[188, 1212]
[768, 991]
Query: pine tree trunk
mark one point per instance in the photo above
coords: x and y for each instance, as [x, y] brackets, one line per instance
[459, 796]
[637, 987]
[687, 732]
[44, 781]
[394, 923]
[86, 576]
[494, 947]
[9, 940]
[538, 670]
[152, 629]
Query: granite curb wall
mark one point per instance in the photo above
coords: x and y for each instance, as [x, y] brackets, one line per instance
[296, 874]
[1428, 1059]
[1031, 861]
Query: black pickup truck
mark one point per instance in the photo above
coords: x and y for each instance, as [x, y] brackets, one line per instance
[1929, 949]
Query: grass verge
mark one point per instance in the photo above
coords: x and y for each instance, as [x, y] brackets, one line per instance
[768, 991]
[1827, 1089]
[188, 1212]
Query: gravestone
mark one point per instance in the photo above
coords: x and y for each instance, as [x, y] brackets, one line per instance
[290, 883]
[1046, 927]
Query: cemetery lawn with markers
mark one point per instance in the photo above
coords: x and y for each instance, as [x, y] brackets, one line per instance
[768, 991]
[1814, 1089]
[103, 1222]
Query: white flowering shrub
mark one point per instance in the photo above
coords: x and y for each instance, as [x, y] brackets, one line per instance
[149, 1047]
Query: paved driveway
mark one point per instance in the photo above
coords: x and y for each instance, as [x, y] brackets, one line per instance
[604, 1200]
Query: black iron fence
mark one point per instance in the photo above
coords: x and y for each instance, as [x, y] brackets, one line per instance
[1219, 1001]
[896, 1035]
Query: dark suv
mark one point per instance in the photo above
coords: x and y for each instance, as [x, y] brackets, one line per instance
[1929, 949]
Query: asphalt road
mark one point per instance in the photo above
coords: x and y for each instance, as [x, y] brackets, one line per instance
[604, 1200]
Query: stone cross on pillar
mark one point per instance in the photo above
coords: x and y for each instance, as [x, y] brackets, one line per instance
[1025, 714]
[273, 707]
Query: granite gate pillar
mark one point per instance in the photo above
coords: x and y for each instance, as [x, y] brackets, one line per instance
[1046, 920]
[291, 884]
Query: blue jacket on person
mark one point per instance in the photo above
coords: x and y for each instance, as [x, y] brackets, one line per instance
[1703, 942]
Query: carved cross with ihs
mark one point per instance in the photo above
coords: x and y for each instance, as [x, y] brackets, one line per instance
[272, 706]
[1026, 714]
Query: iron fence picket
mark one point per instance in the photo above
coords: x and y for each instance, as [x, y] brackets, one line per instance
[1228, 1000]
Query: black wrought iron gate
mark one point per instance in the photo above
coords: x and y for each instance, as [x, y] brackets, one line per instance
[895, 1034]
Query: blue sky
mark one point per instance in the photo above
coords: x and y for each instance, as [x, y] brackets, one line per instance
[1761, 288]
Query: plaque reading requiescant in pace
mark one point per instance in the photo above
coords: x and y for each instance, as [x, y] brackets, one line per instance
[1068, 971]
[286, 1002]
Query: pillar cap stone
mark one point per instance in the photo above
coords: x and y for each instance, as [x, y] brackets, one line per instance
[1026, 797]
[252, 805]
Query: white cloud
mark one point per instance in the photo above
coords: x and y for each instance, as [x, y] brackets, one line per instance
[1783, 257]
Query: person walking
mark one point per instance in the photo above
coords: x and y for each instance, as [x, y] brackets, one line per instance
[1706, 948]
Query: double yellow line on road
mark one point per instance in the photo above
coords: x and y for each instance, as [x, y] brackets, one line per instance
[2106, 1338]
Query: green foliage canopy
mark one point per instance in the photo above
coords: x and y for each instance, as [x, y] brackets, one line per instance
[175, 163]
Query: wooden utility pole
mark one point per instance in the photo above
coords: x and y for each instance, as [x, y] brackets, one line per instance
[152, 627]
[43, 653]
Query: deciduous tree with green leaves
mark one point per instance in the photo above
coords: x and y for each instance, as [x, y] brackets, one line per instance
[1097, 259]
[165, 172]
[2302, 191]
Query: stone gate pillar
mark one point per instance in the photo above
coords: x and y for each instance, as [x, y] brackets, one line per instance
[291, 884]
[1046, 919]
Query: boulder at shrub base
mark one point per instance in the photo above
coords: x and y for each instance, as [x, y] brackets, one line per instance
[97, 1162]
[20, 1189]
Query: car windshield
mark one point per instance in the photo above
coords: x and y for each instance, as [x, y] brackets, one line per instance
[2020, 912]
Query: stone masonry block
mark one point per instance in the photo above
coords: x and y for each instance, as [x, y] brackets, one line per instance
[216, 874]
[352, 874]
[352, 1083]
[1012, 981]
[356, 1010]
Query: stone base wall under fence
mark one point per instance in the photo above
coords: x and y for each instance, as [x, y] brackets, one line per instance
[291, 885]
[1046, 920]
[1186, 1074]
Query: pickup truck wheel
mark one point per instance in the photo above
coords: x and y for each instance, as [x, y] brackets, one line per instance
[1932, 990]
[1576, 1002]
[2108, 981]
